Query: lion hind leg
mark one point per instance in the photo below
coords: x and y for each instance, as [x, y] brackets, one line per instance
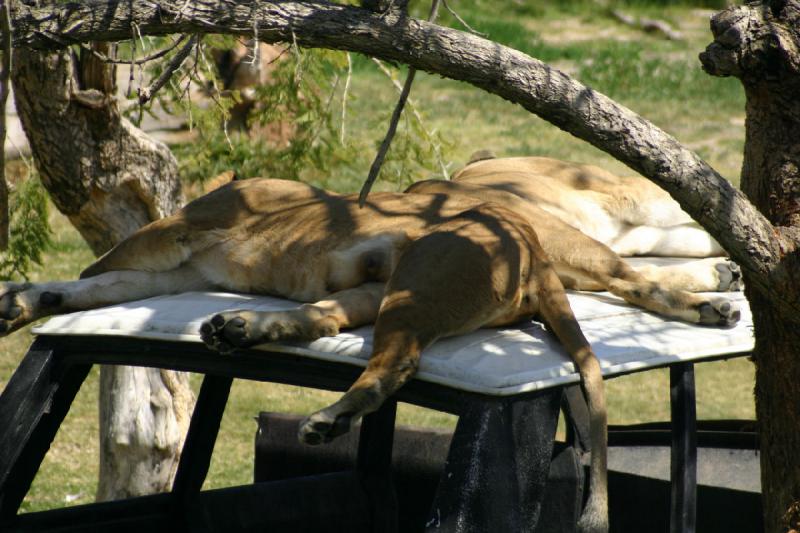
[554, 308]
[429, 295]
[399, 338]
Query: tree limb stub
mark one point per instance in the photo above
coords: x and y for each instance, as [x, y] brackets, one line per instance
[723, 210]
[753, 43]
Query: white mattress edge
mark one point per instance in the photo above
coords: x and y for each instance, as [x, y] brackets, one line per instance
[609, 371]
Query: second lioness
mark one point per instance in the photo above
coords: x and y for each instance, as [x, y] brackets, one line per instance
[587, 219]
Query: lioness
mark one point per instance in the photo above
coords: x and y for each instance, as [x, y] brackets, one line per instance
[570, 204]
[420, 266]
[630, 214]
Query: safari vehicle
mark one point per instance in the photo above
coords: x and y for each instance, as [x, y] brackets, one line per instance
[383, 478]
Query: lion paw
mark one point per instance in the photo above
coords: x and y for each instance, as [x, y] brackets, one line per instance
[15, 311]
[227, 331]
[224, 332]
[719, 312]
[324, 426]
[730, 276]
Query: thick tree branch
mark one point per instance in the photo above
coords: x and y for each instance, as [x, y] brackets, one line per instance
[708, 197]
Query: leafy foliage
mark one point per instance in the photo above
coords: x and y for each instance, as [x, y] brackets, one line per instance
[295, 129]
[29, 233]
[290, 126]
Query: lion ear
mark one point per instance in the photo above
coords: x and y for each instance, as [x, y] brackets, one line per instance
[219, 180]
[481, 155]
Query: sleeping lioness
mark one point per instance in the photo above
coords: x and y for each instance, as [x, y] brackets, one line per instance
[586, 219]
[418, 266]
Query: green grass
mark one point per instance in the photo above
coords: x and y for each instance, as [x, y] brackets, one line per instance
[659, 79]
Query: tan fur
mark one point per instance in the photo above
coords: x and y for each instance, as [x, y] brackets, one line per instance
[420, 266]
[609, 208]
[566, 203]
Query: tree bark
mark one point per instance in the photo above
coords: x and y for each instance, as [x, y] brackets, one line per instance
[5, 74]
[106, 175]
[760, 45]
[109, 178]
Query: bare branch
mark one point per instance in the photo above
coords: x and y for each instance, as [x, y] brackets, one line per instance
[398, 110]
[387, 140]
[141, 61]
[429, 135]
[174, 64]
[648, 25]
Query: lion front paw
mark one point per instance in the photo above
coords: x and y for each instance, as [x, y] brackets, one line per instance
[227, 331]
[719, 312]
[224, 332]
[15, 308]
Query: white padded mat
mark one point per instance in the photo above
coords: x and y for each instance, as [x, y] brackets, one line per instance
[490, 361]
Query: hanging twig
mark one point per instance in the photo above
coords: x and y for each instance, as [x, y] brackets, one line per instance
[429, 135]
[398, 110]
[5, 73]
[256, 48]
[344, 96]
[327, 107]
[462, 21]
[298, 65]
[387, 140]
[145, 95]
[152, 57]
[132, 63]
[215, 94]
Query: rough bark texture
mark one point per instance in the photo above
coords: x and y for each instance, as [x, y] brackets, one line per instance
[106, 175]
[760, 45]
[109, 178]
[547, 92]
[144, 415]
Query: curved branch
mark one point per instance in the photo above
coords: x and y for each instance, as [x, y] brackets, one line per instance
[708, 197]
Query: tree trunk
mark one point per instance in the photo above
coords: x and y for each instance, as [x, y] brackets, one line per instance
[777, 410]
[109, 178]
[105, 174]
[760, 44]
